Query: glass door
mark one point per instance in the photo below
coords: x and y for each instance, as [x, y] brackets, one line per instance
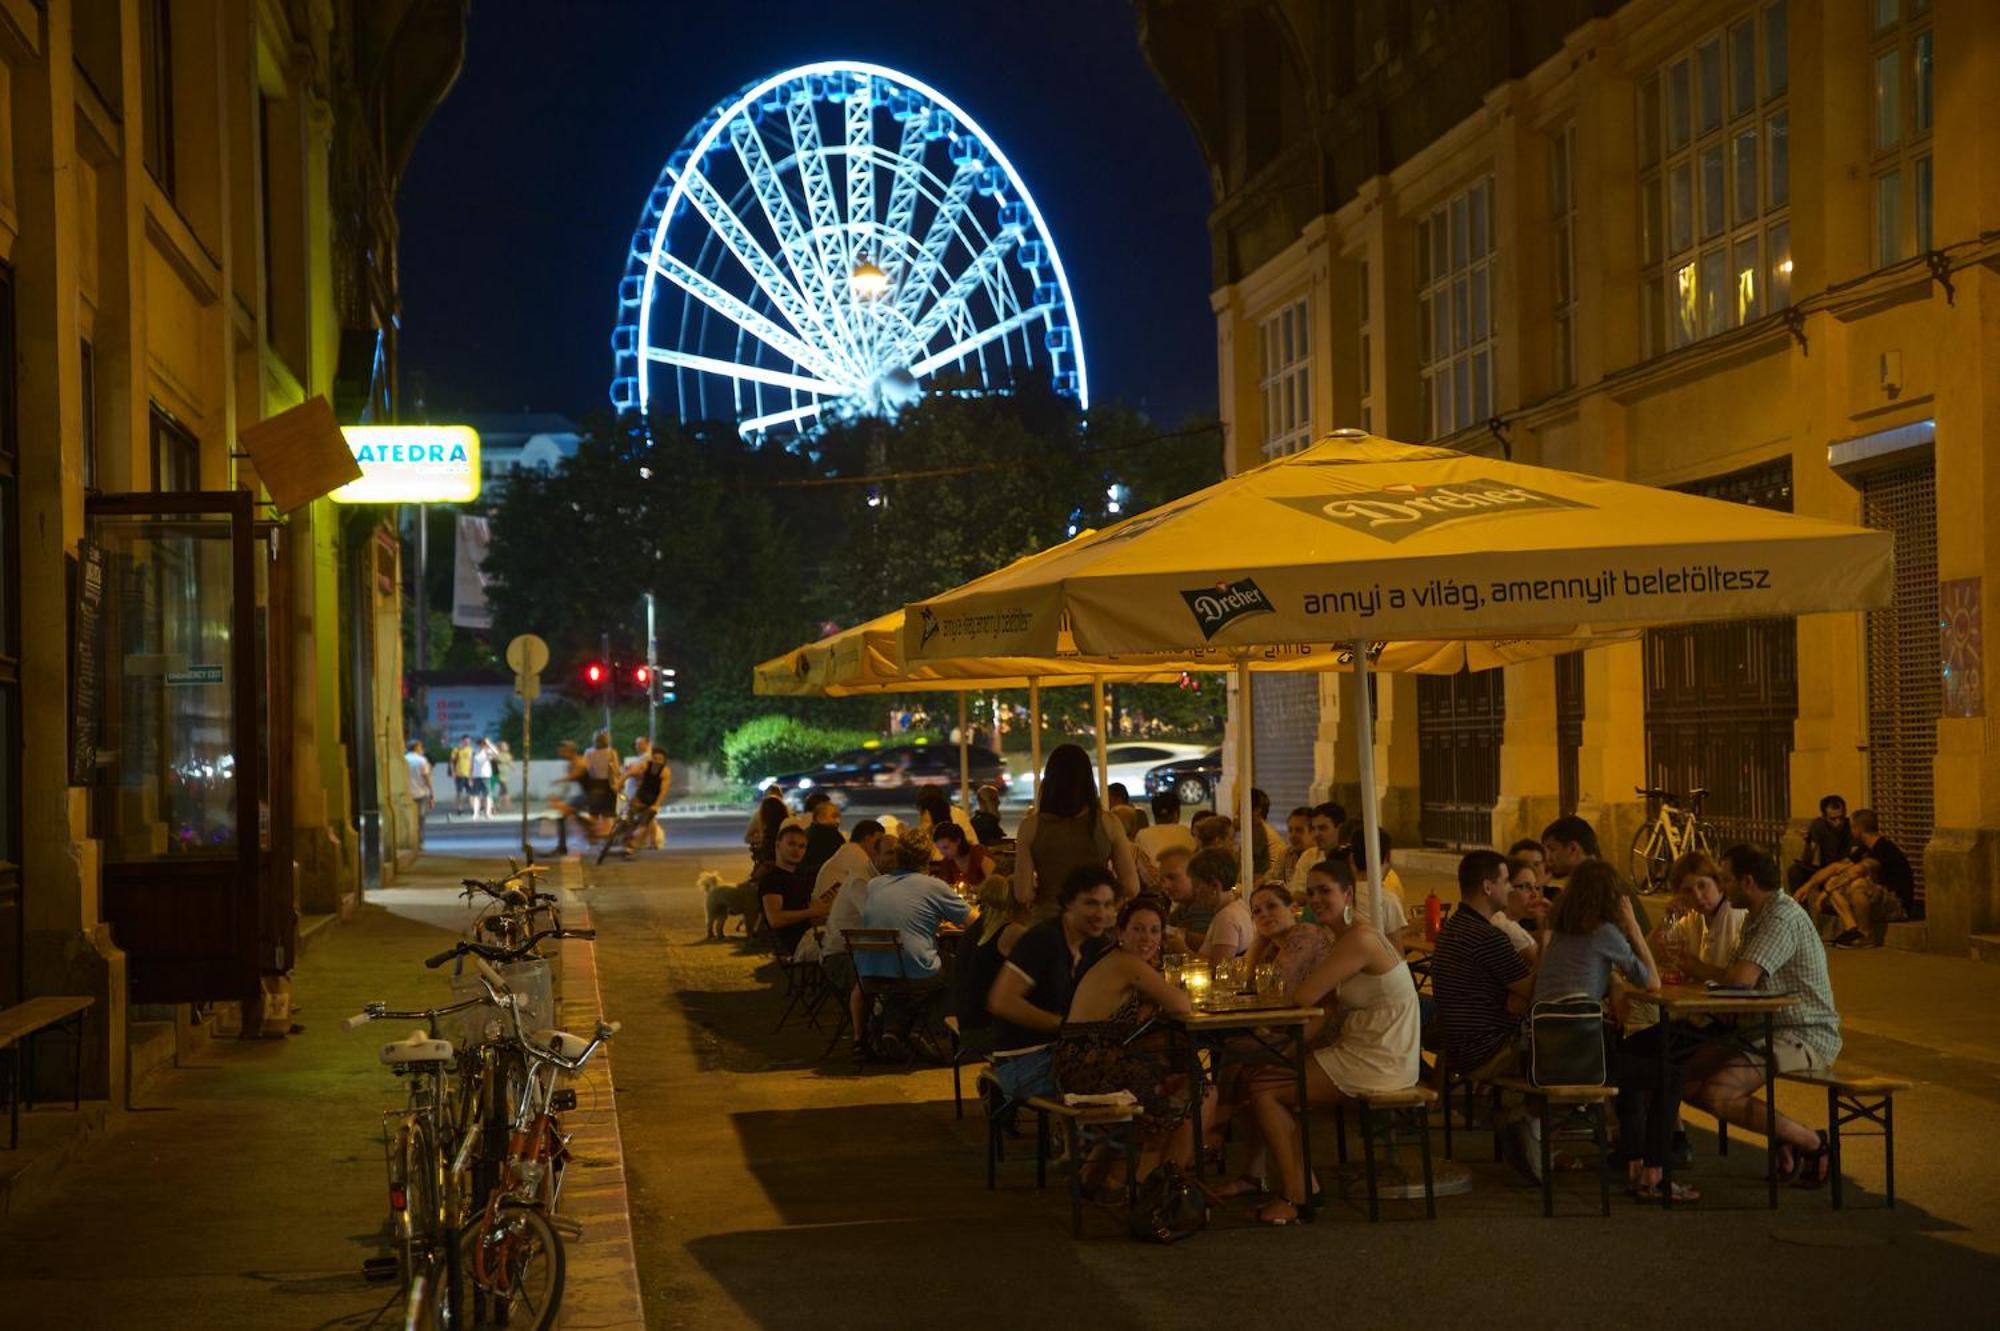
[179, 790]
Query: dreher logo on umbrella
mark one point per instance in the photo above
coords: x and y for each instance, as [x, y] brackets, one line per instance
[1216, 608]
[1396, 511]
[930, 625]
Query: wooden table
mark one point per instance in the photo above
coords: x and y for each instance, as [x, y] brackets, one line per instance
[1210, 1026]
[1682, 1001]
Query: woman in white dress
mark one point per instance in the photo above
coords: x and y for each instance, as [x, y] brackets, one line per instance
[1375, 1033]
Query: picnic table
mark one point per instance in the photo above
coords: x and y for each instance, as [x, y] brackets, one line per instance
[1679, 1004]
[1272, 1027]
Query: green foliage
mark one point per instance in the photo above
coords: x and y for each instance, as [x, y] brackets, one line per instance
[750, 552]
[767, 745]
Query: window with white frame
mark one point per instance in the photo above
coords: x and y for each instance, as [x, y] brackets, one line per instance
[1562, 255]
[1284, 361]
[1715, 181]
[1454, 302]
[1900, 128]
[1364, 359]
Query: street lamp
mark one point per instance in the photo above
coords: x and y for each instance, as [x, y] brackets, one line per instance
[868, 280]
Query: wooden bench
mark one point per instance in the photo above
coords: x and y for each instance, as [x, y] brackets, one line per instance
[1075, 1118]
[1381, 1113]
[1857, 1100]
[1591, 1100]
[19, 1025]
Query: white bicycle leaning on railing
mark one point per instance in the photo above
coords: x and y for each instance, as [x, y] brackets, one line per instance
[1674, 831]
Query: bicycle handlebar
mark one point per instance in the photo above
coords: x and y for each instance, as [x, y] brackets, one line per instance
[503, 955]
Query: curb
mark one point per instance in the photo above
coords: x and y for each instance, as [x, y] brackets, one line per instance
[602, 1282]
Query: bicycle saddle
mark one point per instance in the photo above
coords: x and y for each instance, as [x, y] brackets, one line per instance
[560, 1043]
[1650, 793]
[419, 1048]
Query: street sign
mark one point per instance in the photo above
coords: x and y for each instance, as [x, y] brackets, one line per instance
[528, 687]
[527, 654]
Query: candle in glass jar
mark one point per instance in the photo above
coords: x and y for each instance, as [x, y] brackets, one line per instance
[1196, 978]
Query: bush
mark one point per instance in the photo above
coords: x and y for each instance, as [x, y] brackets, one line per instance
[772, 744]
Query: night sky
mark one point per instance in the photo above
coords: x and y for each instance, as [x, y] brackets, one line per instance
[521, 197]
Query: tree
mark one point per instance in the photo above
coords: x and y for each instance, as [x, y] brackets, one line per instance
[753, 550]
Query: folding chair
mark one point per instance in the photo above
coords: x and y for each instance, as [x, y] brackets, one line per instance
[914, 995]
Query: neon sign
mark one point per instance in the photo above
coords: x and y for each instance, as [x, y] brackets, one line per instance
[412, 464]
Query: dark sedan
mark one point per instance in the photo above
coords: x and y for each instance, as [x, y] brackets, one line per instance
[889, 775]
[1192, 779]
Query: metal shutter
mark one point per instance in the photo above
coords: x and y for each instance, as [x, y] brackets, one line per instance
[1460, 723]
[1287, 712]
[1722, 699]
[1905, 684]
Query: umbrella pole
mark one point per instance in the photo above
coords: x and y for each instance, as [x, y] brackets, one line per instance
[1035, 735]
[1246, 752]
[1371, 814]
[964, 757]
[1097, 723]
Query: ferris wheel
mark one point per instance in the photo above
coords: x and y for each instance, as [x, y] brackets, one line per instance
[835, 241]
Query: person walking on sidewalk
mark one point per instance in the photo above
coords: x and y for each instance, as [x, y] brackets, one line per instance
[461, 772]
[503, 775]
[420, 783]
[482, 778]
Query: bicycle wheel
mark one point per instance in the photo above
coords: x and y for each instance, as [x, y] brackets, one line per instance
[423, 1310]
[1699, 841]
[514, 1268]
[419, 1171]
[1650, 860]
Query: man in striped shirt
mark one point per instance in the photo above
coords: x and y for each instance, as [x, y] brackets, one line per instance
[1482, 985]
[1780, 953]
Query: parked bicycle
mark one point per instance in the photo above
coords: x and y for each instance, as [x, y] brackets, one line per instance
[476, 1157]
[1674, 831]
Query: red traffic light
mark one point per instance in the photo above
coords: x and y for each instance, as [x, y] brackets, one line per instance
[594, 673]
[641, 676]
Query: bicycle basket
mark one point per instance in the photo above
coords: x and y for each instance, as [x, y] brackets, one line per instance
[530, 982]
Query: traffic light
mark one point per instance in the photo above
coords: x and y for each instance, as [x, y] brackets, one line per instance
[665, 684]
[641, 677]
[594, 674]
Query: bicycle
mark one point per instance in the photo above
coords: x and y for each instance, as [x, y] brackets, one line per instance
[427, 1145]
[1673, 832]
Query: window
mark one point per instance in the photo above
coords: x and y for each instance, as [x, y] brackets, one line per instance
[156, 90]
[1900, 128]
[1715, 182]
[1285, 377]
[1562, 246]
[176, 456]
[1364, 371]
[1454, 293]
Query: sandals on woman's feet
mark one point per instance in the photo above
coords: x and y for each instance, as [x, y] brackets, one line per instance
[1267, 1214]
[1811, 1169]
[1650, 1192]
[1241, 1186]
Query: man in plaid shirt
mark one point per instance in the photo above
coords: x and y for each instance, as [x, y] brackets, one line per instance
[1780, 952]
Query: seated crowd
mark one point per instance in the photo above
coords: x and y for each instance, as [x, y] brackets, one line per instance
[1055, 966]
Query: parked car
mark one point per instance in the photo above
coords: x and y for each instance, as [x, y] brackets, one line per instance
[1193, 779]
[1130, 760]
[888, 775]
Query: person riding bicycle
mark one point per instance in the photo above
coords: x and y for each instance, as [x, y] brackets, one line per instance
[649, 789]
[567, 794]
[600, 784]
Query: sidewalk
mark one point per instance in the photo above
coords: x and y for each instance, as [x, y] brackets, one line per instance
[247, 1187]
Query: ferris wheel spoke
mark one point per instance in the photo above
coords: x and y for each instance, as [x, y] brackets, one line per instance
[730, 369]
[966, 346]
[907, 171]
[743, 316]
[809, 159]
[938, 238]
[788, 300]
[784, 220]
[953, 298]
[860, 168]
[760, 423]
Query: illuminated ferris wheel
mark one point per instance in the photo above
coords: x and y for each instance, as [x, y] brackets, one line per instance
[835, 241]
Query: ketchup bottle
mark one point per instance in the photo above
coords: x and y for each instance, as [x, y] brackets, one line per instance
[1433, 915]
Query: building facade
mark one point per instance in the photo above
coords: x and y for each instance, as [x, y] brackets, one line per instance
[196, 691]
[1698, 244]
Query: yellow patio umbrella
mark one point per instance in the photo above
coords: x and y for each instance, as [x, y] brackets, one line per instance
[1361, 539]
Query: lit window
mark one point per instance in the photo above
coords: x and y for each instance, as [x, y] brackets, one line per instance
[1284, 362]
[1715, 182]
[1454, 301]
[1900, 137]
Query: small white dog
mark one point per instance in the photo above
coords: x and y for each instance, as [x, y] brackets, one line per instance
[722, 899]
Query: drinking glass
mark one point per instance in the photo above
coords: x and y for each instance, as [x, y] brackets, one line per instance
[1270, 981]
